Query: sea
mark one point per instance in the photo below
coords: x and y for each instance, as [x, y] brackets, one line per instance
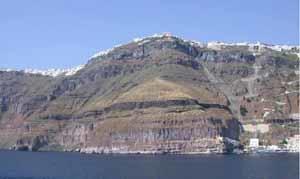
[64, 165]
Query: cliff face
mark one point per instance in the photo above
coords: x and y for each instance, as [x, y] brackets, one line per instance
[156, 95]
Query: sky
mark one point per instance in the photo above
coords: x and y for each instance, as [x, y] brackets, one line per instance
[65, 33]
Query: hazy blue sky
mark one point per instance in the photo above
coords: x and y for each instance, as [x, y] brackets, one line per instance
[60, 33]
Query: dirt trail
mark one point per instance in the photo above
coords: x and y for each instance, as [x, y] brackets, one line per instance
[226, 89]
[251, 80]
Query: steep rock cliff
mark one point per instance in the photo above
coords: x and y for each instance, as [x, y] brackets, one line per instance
[159, 94]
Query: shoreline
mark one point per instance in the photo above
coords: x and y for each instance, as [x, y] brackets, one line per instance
[155, 153]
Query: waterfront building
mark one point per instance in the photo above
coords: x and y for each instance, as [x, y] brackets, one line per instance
[293, 143]
[254, 143]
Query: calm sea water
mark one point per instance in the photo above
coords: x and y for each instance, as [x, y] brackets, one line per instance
[52, 165]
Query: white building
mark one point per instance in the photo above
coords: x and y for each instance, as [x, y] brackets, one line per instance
[254, 143]
[273, 148]
[293, 143]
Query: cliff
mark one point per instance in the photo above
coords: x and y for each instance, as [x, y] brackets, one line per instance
[159, 94]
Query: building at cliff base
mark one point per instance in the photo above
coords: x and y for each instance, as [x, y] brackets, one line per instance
[293, 143]
[254, 143]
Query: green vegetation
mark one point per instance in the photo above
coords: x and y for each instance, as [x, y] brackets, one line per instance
[284, 142]
[286, 56]
[243, 110]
